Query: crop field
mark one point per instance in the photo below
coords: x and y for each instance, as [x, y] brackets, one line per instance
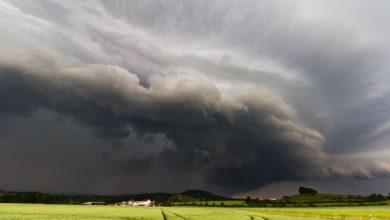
[68, 212]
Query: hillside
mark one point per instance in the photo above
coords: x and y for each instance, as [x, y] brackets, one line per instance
[158, 198]
[182, 198]
[203, 195]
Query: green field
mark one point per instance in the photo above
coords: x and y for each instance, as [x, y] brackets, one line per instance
[68, 212]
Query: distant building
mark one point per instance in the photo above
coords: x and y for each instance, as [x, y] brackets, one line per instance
[140, 203]
[94, 203]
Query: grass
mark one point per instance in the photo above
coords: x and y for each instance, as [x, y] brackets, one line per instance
[363, 213]
[68, 212]
[46, 212]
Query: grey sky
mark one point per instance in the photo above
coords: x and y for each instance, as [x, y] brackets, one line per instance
[230, 96]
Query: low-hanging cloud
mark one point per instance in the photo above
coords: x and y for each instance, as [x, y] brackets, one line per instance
[236, 94]
[239, 138]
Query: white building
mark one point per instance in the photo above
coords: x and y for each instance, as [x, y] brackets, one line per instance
[140, 203]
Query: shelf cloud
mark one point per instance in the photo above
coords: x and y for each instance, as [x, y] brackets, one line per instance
[230, 95]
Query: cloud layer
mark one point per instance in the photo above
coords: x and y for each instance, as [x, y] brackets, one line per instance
[236, 96]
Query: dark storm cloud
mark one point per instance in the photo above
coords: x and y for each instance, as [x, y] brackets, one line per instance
[238, 93]
[23, 96]
[337, 59]
[236, 138]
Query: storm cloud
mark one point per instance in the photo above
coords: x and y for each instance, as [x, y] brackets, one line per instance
[235, 95]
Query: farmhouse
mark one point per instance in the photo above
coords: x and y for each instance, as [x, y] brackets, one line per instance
[140, 203]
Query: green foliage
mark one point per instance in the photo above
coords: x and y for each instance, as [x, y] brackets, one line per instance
[181, 198]
[376, 197]
[304, 190]
[248, 200]
[158, 198]
[227, 203]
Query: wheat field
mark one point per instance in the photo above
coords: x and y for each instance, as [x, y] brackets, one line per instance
[70, 212]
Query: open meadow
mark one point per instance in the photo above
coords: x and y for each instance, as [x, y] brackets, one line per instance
[68, 212]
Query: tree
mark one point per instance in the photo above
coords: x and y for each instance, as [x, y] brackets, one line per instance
[376, 197]
[248, 200]
[304, 190]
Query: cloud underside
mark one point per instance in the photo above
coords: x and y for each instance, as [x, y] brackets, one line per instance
[238, 94]
[239, 138]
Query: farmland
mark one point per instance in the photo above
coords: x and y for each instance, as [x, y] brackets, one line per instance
[62, 212]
